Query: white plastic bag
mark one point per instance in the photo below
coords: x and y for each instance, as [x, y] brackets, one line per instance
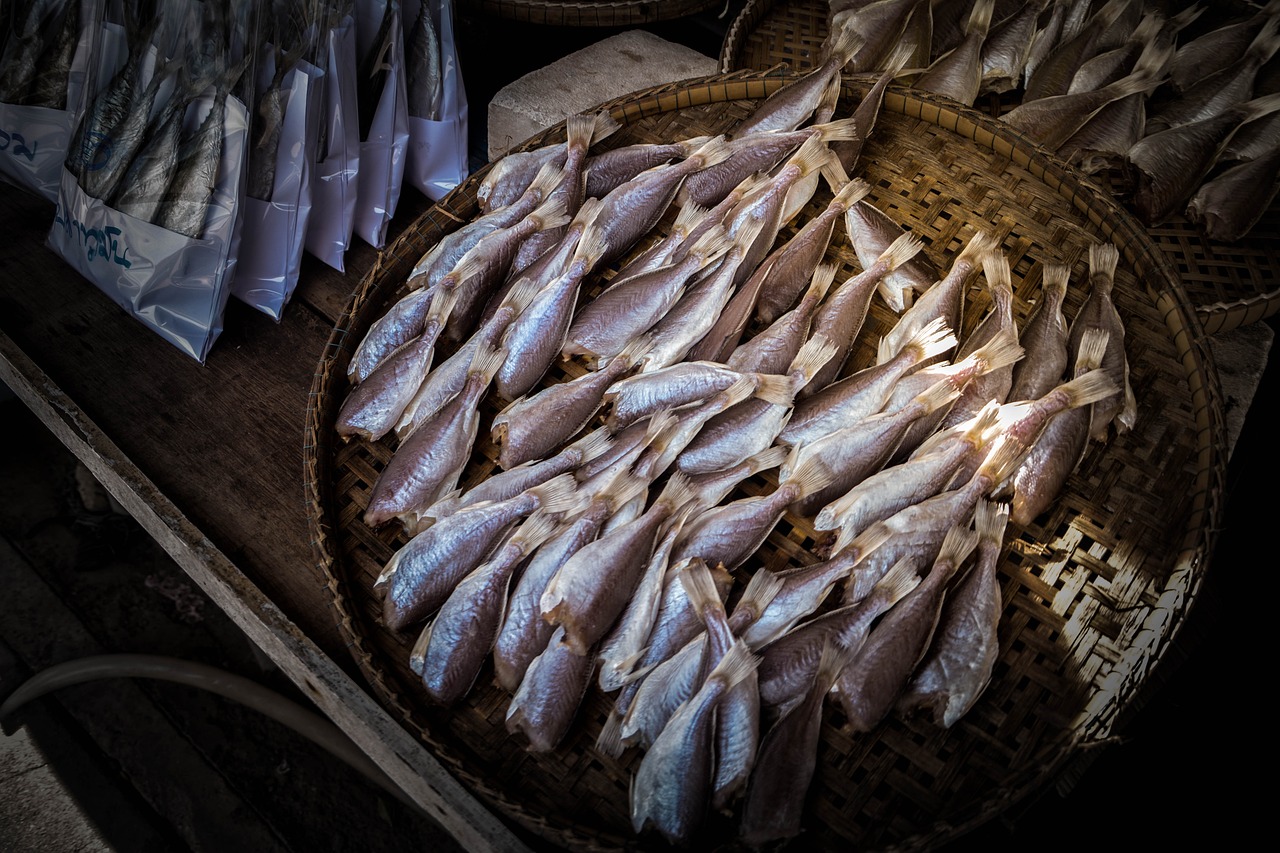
[383, 148]
[335, 173]
[274, 230]
[438, 142]
[34, 139]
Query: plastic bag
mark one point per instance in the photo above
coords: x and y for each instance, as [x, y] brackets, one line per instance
[36, 125]
[438, 145]
[170, 270]
[274, 229]
[380, 88]
[337, 165]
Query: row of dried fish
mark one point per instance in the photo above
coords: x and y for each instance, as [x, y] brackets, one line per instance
[614, 544]
[36, 55]
[1176, 100]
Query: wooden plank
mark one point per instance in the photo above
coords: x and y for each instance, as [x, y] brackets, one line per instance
[400, 755]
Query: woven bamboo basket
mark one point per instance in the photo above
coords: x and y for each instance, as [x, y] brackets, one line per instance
[1094, 590]
[619, 13]
[1230, 284]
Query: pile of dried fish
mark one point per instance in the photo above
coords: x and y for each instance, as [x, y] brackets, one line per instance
[1153, 94]
[136, 150]
[615, 544]
[35, 58]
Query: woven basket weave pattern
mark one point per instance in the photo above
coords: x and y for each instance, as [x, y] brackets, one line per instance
[1094, 590]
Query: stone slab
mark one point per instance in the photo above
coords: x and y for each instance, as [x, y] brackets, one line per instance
[610, 68]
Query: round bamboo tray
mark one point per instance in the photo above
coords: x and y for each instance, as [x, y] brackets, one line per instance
[1230, 284]
[620, 13]
[1094, 590]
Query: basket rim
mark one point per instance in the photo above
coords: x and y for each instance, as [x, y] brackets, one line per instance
[1193, 554]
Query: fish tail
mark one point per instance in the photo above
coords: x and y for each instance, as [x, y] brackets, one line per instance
[713, 151]
[932, 339]
[839, 130]
[487, 360]
[1054, 281]
[957, 545]
[1103, 259]
[989, 520]
[535, 530]
[678, 491]
[712, 245]
[995, 266]
[810, 478]
[604, 126]
[737, 664]
[868, 541]
[831, 662]
[1259, 107]
[902, 249]
[548, 178]
[897, 582]
[1093, 346]
[770, 457]
[557, 495]
[551, 213]
[812, 156]
[937, 395]
[635, 351]
[815, 353]
[1265, 43]
[591, 248]
[1002, 460]
[689, 216]
[626, 489]
[1001, 351]
[749, 385]
[593, 445]
[896, 62]
[1088, 388]
[579, 130]
[520, 295]
[418, 654]
[772, 388]
[763, 587]
[842, 44]
[747, 233]
[698, 585]
[979, 22]
[851, 193]
[609, 741]
[979, 246]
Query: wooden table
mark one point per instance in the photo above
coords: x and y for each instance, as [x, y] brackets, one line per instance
[209, 459]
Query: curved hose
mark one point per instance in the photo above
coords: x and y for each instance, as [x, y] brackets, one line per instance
[249, 693]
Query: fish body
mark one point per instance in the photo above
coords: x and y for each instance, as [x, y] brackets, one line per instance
[1043, 338]
[1099, 311]
[864, 392]
[793, 104]
[789, 664]
[464, 628]
[774, 348]
[1229, 205]
[547, 700]
[871, 231]
[962, 653]
[957, 74]
[1004, 53]
[425, 76]
[871, 684]
[998, 323]
[608, 170]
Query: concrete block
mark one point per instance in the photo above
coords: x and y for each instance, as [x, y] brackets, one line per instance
[610, 68]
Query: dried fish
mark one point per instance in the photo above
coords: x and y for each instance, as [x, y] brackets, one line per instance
[1008, 44]
[422, 58]
[994, 383]
[53, 68]
[1218, 48]
[872, 231]
[459, 637]
[1043, 338]
[871, 684]
[965, 645]
[1099, 312]
[608, 170]
[957, 74]
[875, 28]
[1228, 205]
[774, 348]
[547, 700]
[1060, 446]
[1053, 75]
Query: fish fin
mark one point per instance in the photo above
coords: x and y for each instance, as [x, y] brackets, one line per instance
[979, 246]
[811, 156]
[838, 130]
[625, 489]
[540, 526]
[898, 581]
[842, 43]
[551, 213]
[712, 245]
[811, 358]
[546, 180]
[635, 351]
[418, 654]
[1088, 388]
[678, 491]
[698, 585]
[520, 295]
[831, 662]
[713, 151]
[557, 495]
[958, 543]
[691, 213]
[487, 359]
[1054, 280]
[990, 518]
[776, 389]
[763, 587]
[820, 282]
[1093, 346]
[770, 457]
[895, 63]
[979, 21]
[1002, 460]
[809, 478]
[609, 741]
[579, 129]
[995, 266]
[902, 249]
[591, 248]
[593, 445]
[830, 96]
[737, 664]
[692, 144]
